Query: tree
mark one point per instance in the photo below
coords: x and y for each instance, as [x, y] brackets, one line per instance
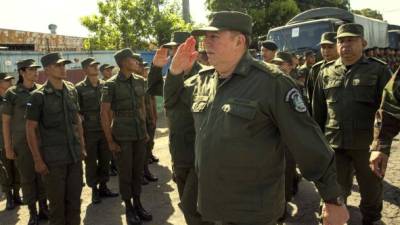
[265, 13]
[369, 13]
[310, 4]
[132, 23]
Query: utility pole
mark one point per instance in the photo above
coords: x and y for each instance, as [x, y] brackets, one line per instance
[186, 11]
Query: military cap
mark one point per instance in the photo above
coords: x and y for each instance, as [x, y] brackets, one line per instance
[54, 58]
[5, 76]
[27, 63]
[88, 62]
[177, 38]
[328, 38]
[106, 66]
[271, 45]
[283, 57]
[308, 53]
[125, 53]
[227, 20]
[350, 30]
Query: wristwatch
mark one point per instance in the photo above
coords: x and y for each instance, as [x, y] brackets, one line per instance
[335, 201]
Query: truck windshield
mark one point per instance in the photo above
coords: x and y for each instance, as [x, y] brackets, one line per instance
[303, 36]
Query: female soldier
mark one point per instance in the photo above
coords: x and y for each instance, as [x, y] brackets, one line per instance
[15, 139]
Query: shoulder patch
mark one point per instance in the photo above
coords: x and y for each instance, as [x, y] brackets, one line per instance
[294, 98]
[378, 60]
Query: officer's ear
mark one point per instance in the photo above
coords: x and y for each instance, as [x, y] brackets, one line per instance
[364, 43]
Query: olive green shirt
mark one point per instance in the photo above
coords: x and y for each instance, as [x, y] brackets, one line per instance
[15, 102]
[311, 79]
[345, 101]
[56, 113]
[387, 118]
[242, 124]
[126, 96]
[89, 102]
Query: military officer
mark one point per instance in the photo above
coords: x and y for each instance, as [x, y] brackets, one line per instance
[107, 71]
[15, 142]
[126, 131]
[346, 96]
[58, 146]
[268, 50]
[98, 155]
[181, 128]
[304, 70]
[329, 53]
[10, 180]
[244, 110]
[387, 126]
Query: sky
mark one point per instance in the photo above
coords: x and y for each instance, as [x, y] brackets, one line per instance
[36, 15]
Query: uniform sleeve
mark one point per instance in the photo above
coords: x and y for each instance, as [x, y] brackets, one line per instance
[107, 92]
[387, 118]
[155, 81]
[34, 107]
[304, 139]
[9, 101]
[319, 107]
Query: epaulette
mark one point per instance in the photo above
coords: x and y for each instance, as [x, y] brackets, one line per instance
[269, 68]
[378, 60]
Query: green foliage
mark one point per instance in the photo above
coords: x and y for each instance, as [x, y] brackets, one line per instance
[369, 13]
[272, 13]
[132, 23]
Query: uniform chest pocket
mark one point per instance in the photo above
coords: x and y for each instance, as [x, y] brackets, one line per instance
[52, 113]
[364, 90]
[199, 103]
[332, 90]
[139, 90]
[238, 117]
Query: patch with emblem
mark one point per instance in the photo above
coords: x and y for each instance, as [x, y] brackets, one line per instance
[294, 98]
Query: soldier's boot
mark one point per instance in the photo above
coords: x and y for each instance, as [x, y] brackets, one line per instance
[142, 213]
[33, 217]
[17, 197]
[10, 205]
[43, 210]
[95, 195]
[147, 174]
[131, 215]
[105, 192]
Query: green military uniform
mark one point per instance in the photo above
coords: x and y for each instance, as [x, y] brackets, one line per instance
[240, 133]
[181, 135]
[344, 103]
[15, 106]
[9, 175]
[98, 155]
[56, 113]
[241, 123]
[387, 118]
[126, 96]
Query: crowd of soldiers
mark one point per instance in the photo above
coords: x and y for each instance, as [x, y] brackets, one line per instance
[237, 129]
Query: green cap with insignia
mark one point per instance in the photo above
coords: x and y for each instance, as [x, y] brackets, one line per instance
[328, 38]
[125, 53]
[227, 20]
[5, 76]
[106, 66]
[27, 63]
[54, 58]
[88, 62]
[350, 30]
[283, 57]
[177, 38]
